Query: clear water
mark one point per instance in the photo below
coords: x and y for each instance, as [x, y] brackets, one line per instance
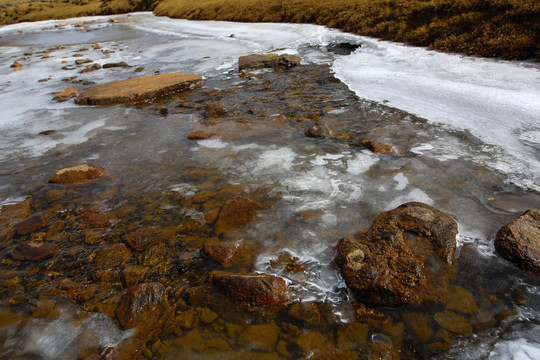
[467, 131]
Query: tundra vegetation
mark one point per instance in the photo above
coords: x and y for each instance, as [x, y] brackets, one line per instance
[508, 29]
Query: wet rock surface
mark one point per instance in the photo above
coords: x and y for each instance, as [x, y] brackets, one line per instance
[77, 174]
[252, 289]
[256, 61]
[30, 251]
[382, 267]
[146, 307]
[519, 241]
[136, 89]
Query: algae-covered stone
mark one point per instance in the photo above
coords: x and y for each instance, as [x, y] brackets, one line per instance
[419, 325]
[113, 255]
[352, 336]
[136, 89]
[32, 223]
[142, 238]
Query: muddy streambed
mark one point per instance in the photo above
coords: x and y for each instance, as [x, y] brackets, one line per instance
[298, 195]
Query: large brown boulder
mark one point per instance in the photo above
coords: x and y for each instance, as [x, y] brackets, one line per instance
[146, 307]
[137, 89]
[519, 241]
[386, 265]
[256, 61]
[251, 289]
[78, 174]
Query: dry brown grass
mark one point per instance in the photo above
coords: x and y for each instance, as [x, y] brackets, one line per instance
[508, 29]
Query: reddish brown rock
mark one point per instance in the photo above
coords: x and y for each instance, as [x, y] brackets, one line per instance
[317, 131]
[96, 219]
[378, 147]
[214, 110]
[383, 265]
[230, 253]
[200, 135]
[251, 289]
[519, 241]
[77, 174]
[29, 251]
[236, 215]
[67, 94]
[137, 89]
[114, 255]
[143, 238]
[256, 61]
[146, 307]
[32, 223]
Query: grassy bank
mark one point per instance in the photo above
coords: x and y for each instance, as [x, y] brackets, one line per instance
[508, 29]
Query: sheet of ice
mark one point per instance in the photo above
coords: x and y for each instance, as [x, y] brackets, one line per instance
[497, 101]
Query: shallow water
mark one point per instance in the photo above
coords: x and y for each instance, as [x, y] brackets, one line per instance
[317, 190]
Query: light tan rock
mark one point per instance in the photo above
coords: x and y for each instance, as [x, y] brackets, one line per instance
[137, 89]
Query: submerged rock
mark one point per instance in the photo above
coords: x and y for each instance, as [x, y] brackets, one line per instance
[256, 61]
[29, 251]
[32, 223]
[519, 241]
[143, 238]
[230, 253]
[137, 89]
[146, 307]
[251, 289]
[382, 266]
[200, 135]
[77, 174]
[67, 94]
[214, 110]
[236, 215]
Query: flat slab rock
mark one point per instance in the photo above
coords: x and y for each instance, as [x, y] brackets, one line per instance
[137, 89]
[519, 241]
[387, 265]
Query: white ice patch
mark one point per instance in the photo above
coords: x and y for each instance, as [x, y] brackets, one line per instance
[213, 143]
[361, 163]
[402, 182]
[494, 100]
[413, 195]
[281, 158]
[520, 349]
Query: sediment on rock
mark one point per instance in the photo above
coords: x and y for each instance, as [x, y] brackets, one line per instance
[256, 61]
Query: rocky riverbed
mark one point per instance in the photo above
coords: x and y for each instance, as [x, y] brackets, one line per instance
[204, 223]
